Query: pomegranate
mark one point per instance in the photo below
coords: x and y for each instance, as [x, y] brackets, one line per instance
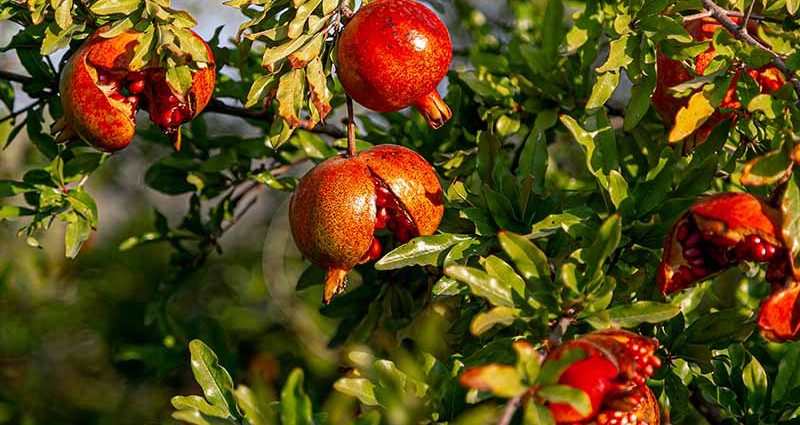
[779, 319]
[100, 93]
[613, 373]
[718, 232]
[392, 54]
[672, 73]
[340, 204]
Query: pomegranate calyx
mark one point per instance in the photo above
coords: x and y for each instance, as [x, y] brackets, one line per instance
[434, 110]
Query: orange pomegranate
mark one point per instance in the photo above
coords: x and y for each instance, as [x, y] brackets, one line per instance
[101, 93]
[340, 204]
[392, 54]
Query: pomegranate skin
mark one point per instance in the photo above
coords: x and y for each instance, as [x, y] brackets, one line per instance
[672, 72]
[594, 376]
[334, 212]
[105, 124]
[96, 108]
[413, 182]
[779, 319]
[392, 54]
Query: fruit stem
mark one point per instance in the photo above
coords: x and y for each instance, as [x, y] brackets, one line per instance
[351, 129]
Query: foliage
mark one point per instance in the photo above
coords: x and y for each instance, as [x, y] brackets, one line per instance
[560, 184]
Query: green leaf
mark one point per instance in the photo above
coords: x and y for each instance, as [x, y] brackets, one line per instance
[607, 241]
[527, 257]
[295, 405]
[789, 206]
[755, 380]
[284, 184]
[83, 204]
[537, 414]
[421, 251]
[482, 322]
[198, 403]
[10, 212]
[77, 232]
[564, 394]
[291, 90]
[360, 388]
[618, 56]
[110, 7]
[602, 90]
[301, 16]
[501, 380]
[261, 88]
[788, 377]
[767, 169]
[482, 285]
[253, 411]
[213, 378]
[721, 328]
[629, 316]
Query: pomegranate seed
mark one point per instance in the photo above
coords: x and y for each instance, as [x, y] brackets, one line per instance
[698, 262]
[136, 87]
[381, 218]
[692, 241]
[692, 253]
[166, 118]
[375, 249]
[683, 231]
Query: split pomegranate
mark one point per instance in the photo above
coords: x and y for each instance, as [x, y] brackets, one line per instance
[613, 375]
[392, 54]
[719, 231]
[100, 93]
[779, 319]
[341, 203]
[672, 73]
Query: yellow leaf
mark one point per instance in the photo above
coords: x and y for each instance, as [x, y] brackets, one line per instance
[691, 117]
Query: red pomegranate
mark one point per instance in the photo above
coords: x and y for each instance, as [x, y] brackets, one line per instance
[392, 54]
[779, 319]
[340, 204]
[613, 375]
[717, 232]
[672, 73]
[100, 93]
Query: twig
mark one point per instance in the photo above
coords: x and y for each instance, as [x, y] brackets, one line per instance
[17, 78]
[733, 13]
[21, 111]
[559, 330]
[510, 409]
[721, 15]
[219, 107]
[351, 128]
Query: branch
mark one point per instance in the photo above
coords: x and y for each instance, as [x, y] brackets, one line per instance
[721, 15]
[17, 78]
[734, 13]
[21, 111]
[510, 410]
[554, 340]
[220, 107]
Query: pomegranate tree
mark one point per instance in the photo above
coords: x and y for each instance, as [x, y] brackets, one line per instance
[392, 54]
[341, 203]
[100, 93]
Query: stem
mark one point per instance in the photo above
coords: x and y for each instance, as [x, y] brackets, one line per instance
[351, 128]
[17, 78]
[510, 410]
[736, 14]
[721, 15]
[219, 107]
[559, 330]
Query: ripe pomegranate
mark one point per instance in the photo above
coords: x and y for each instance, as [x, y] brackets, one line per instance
[613, 373]
[392, 54]
[672, 72]
[779, 319]
[720, 231]
[100, 93]
[340, 204]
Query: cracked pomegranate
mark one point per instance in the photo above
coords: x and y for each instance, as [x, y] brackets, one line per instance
[341, 203]
[613, 375]
[392, 54]
[100, 93]
[672, 73]
[720, 231]
[779, 319]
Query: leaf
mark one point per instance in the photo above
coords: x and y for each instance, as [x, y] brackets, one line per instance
[110, 7]
[77, 232]
[618, 56]
[788, 377]
[273, 55]
[261, 88]
[482, 322]
[214, 379]
[290, 96]
[83, 204]
[284, 184]
[482, 285]
[721, 328]
[767, 169]
[537, 414]
[602, 90]
[691, 117]
[527, 257]
[629, 316]
[249, 403]
[755, 380]
[318, 88]
[301, 16]
[564, 394]
[420, 251]
[360, 388]
[198, 403]
[792, 6]
[295, 405]
[789, 206]
[639, 103]
[606, 242]
[500, 380]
